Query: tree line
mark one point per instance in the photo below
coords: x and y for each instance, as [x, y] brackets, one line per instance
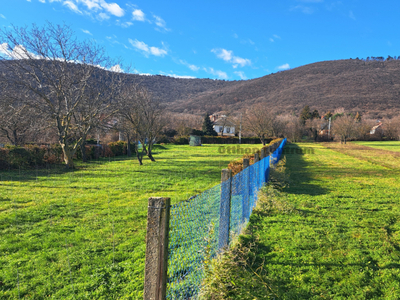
[51, 83]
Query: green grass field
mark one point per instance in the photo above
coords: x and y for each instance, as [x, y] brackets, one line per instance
[80, 234]
[334, 233]
[386, 145]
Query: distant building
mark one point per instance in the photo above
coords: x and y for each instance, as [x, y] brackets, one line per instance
[376, 128]
[223, 125]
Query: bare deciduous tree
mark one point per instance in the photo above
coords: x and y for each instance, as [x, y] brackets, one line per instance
[259, 119]
[52, 72]
[344, 127]
[141, 117]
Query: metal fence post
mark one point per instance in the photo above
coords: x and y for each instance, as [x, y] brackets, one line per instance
[246, 195]
[155, 279]
[225, 208]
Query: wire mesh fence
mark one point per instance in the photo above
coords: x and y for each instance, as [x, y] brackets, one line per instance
[200, 227]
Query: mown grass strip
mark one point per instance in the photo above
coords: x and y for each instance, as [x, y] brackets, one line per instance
[334, 233]
[66, 234]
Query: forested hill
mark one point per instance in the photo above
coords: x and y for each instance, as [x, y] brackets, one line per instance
[357, 85]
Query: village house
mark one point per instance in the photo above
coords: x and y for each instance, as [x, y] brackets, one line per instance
[222, 125]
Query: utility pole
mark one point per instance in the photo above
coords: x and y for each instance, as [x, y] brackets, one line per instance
[329, 127]
[240, 129]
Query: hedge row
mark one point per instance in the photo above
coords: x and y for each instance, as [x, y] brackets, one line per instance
[214, 140]
[237, 165]
[39, 156]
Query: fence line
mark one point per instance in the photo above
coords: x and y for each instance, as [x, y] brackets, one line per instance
[205, 224]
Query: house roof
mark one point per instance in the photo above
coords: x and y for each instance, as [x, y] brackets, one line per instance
[223, 122]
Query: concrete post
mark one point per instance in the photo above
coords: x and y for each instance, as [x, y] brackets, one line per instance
[225, 208]
[155, 278]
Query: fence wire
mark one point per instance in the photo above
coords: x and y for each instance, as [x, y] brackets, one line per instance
[200, 227]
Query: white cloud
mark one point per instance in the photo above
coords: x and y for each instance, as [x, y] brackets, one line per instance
[220, 74]
[19, 52]
[283, 67]
[2, 16]
[304, 9]
[351, 15]
[103, 16]
[113, 8]
[241, 75]
[191, 67]
[146, 50]
[276, 36]
[43, 1]
[91, 4]
[138, 15]
[227, 55]
[86, 31]
[116, 68]
[126, 24]
[72, 6]
[271, 40]
[160, 23]
[177, 76]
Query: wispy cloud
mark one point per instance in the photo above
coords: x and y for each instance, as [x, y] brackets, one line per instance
[86, 31]
[304, 9]
[190, 66]
[227, 55]
[146, 50]
[138, 15]
[160, 23]
[72, 6]
[113, 8]
[283, 67]
[218, 73]
[351, 15]
[103, 16]
[2, 16]
[310, 1]
[177, 76]
[241, 75]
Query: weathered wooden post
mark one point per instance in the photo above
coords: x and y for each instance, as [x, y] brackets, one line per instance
[225, 208]
[155, 278]
[256, 157]
[262, 154]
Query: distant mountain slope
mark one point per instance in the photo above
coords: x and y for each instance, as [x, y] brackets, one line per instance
[367, 86]
[357, 85]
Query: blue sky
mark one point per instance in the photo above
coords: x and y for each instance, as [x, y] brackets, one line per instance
[221, 39]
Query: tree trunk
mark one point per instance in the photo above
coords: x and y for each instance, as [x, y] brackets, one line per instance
[128, 146]
[139, 155]
[83, 150]
[149, 154]
[68, 156]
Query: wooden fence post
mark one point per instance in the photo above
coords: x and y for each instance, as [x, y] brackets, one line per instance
[262, 153]
[256, 157]
[225, 208]
[155, 278]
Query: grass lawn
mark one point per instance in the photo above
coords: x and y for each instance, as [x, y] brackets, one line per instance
[334, 232]
[80, 234]
[386, 145]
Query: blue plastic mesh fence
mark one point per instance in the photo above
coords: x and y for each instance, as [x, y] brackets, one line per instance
[207, 222]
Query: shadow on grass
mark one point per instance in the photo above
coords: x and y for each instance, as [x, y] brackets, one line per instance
[297, 167]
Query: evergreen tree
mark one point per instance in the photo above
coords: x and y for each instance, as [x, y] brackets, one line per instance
[315, 115]
[305, 114]
[208, 126]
